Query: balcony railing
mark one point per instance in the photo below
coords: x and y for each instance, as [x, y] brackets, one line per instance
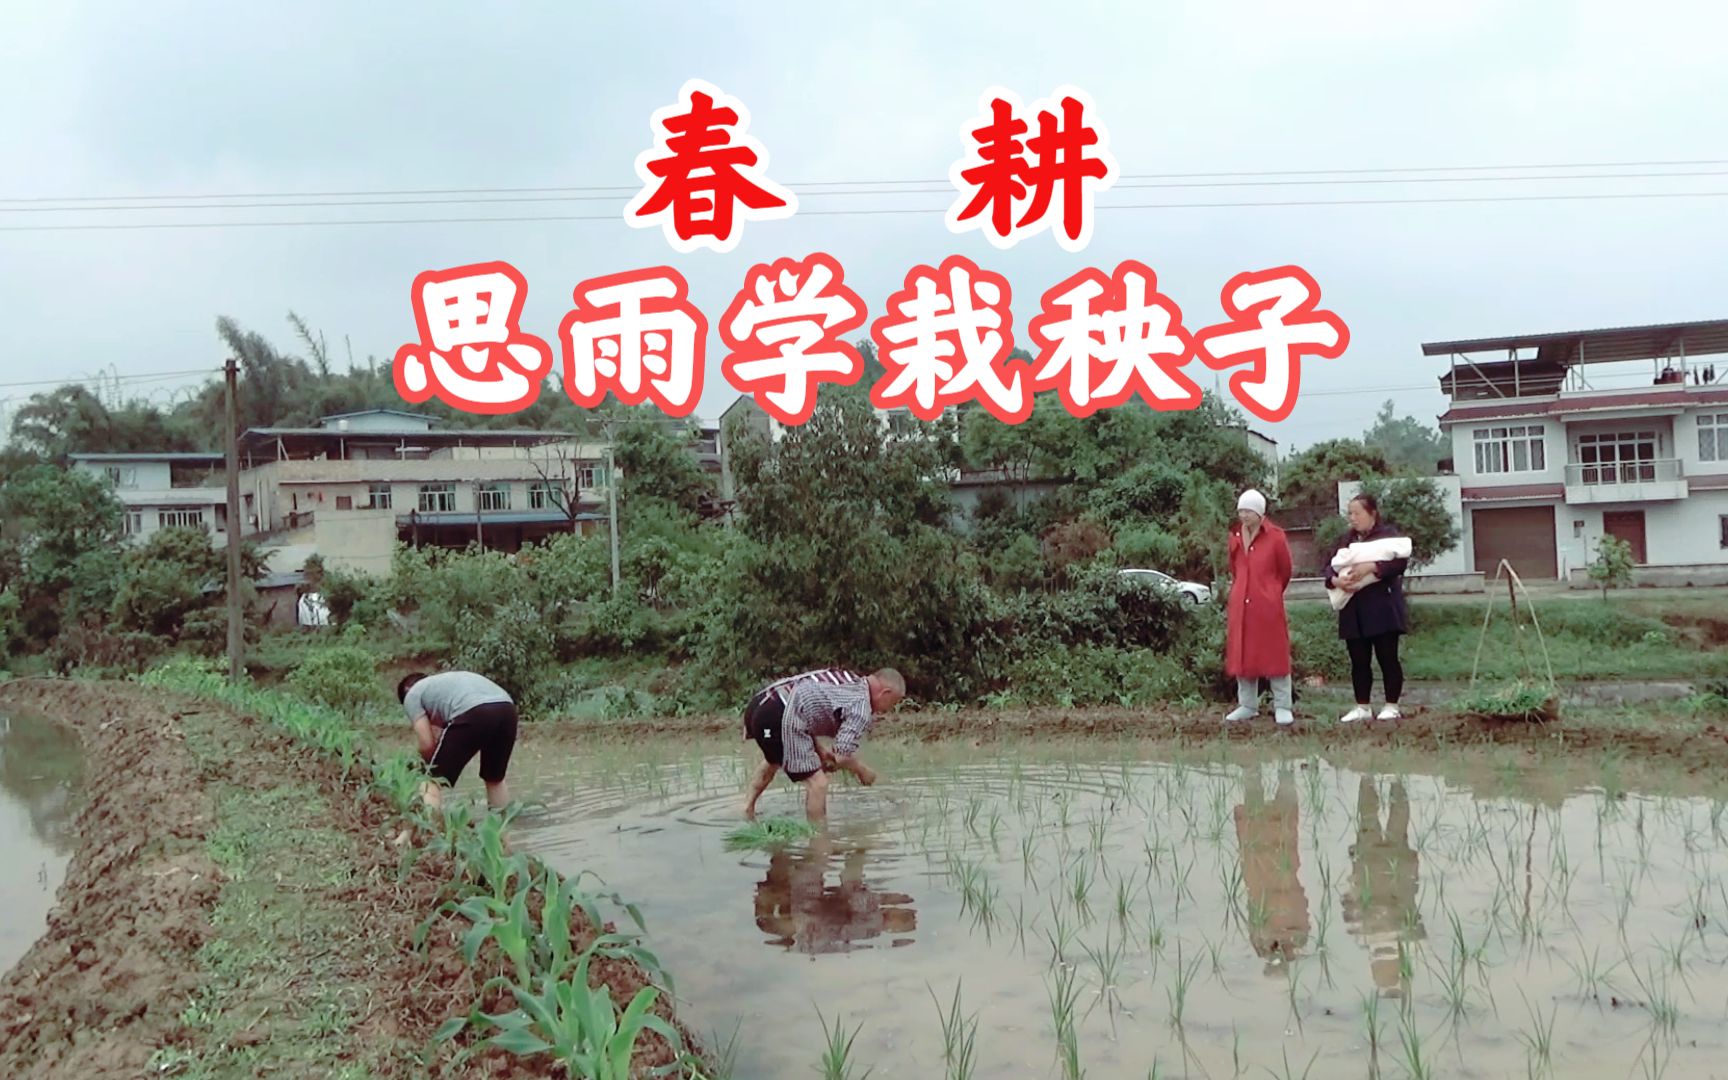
[1659, 479]
[1657, 470]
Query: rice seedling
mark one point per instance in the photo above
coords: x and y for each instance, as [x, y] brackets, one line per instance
[1178, 992]
[1415, 1063]
[1079, 889]
[1107, 961]
[1059, 934]
[1588, 973]
[836, 1061]
[1538, 1039]
[1289, 1073]
[769, 833]
[1664, 1010]
[1064, 996]
[1371, 1026]
[959, 1038]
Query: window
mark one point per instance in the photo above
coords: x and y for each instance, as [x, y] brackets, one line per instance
[122, 476]
[544, 496]
[1510, 449]
[169, 519]
[344, 502]
[378, 496]
[134, 522]
[1713, 437]
[494, 497]
[1618, 457]
[437, 498]
[1722, 523]
[586, 476]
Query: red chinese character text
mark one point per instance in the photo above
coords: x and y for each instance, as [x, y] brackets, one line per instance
[1015, 176]
[704, 174]
[945, 339]
[1104, 339]
[1273, 324]
[635, 335]
[784, 331]
[471, 355]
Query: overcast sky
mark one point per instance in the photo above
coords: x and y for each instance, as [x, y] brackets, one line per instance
[183, 98]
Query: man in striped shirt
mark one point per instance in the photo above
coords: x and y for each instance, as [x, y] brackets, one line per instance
[787, 717]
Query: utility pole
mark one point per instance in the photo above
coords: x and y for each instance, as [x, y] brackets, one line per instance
[236, 638]
[612, 500]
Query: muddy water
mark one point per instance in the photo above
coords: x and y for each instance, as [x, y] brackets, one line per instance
[1204, 918]
[41, 774]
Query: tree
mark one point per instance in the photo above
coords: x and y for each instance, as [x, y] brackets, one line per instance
[1407, 443]
[58, 531]
[1417, 506]
[174, 585]
[844, 557]
[1612, 567]
[1311, 478]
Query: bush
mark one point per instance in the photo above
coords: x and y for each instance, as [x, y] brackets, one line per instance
[513, 647]
[342, 677]
[91, 646]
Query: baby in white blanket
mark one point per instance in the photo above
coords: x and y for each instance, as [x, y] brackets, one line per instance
[1366, 551]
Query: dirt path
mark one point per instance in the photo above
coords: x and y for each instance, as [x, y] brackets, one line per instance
[1689, 743]
[236, 908]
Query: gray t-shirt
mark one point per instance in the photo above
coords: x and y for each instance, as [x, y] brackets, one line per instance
[447, 695]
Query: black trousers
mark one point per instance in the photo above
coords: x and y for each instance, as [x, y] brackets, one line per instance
[1363, 653]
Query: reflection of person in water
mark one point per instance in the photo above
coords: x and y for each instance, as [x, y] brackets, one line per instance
[1380, 905]
[1266, 838]
[799, 910]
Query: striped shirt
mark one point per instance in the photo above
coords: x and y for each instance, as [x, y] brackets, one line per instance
[833, 703]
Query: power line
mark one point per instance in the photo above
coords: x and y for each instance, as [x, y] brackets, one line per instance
[862, 212]
[505, 200]
[142, 377]
[1406, 170]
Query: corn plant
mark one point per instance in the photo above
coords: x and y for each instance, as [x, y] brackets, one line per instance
[577, 1024]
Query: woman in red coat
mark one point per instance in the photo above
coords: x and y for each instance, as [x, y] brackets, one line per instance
[1257, 644]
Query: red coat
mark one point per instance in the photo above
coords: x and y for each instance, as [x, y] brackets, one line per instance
[1257, 644]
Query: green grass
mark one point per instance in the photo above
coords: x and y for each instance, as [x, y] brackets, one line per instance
[281, 990]
[768, 833]
[1508, 701]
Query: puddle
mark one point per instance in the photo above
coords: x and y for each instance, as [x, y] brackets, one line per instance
[1204, 919]
[41, 775]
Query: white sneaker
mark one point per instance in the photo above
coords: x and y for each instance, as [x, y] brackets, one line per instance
[1391, 712]
[1360, 712]
[1239, 714]
[1285, 717]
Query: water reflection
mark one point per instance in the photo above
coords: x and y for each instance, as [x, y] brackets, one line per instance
[1380, 907]
[41, 769]
[1266, 836]
[799, 910]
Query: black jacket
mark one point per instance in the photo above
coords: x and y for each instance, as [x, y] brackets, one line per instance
[1379, 608]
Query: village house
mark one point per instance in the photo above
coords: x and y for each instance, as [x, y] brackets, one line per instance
[1554, 449]
[158, 491]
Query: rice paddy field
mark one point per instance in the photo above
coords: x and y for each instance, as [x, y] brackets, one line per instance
[1118, 908]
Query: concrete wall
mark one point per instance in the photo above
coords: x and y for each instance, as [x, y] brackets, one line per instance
[1682, 533]
[1662, 577]
[1553, 453]
[1686, 440]
[361, 540]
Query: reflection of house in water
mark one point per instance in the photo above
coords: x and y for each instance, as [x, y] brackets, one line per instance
[42, 767]
[1266, 837]
[1380, 905]
[798, 909]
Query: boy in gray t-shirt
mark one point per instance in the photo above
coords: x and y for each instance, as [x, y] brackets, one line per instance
[455, 715]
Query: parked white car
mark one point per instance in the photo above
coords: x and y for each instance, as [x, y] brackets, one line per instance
[1191, 591]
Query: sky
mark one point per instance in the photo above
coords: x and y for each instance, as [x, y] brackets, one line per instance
[205, 98]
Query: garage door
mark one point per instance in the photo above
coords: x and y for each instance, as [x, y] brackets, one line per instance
[1523, 536]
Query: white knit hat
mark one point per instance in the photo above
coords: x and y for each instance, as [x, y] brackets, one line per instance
[1252, 500]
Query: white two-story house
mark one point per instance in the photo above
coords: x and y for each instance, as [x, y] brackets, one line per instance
[1561, 439]
[162, 490]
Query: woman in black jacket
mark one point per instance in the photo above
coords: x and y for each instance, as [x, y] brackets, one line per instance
[1375, 615]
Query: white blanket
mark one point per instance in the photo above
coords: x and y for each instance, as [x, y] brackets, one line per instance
[1365, 551]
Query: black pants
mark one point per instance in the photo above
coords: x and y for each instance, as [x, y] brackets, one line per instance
[1363, 652]
[488, 730]
[765, 715]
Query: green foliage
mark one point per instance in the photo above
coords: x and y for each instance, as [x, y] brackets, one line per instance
[343, 677]
[174, 585]
[769, 833]
[1406, 443]
[513, 646]
[1311, 478]
[1612, 567]
[58, 531]
[1510, 701]
[1417, 507]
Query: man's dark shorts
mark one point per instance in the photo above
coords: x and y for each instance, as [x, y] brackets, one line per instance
[488, 730]
[763, 716]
